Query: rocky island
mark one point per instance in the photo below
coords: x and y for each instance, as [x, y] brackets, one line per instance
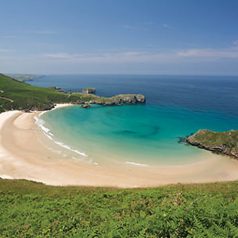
[119, 99]
[218, 142]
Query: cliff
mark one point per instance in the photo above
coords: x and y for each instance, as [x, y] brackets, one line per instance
[119, 99]
[89, 90]
[219, 142]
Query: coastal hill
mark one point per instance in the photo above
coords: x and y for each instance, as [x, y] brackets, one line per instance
[16, 95]
[29, 209]
[219, 142]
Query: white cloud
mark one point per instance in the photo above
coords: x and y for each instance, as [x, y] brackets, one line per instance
[111, 57]
[145, 56]
[210, 53]
[204, 59]
[146, 26]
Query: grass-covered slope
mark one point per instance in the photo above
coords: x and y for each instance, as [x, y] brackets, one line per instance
[19, 95]
[29, 209]
[219, 142]
[22, 96]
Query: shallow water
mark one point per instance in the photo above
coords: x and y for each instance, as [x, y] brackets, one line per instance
[146, 134]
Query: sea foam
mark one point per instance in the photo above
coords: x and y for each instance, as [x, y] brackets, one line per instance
[41, 124]
[136, 164]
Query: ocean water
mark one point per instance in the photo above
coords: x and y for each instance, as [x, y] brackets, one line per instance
[143, 134]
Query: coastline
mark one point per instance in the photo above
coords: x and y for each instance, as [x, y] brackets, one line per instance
[26, 153]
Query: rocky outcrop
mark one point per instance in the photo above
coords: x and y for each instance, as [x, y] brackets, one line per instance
[89, 90]
[85, 105]
[120, 99]
[38, 99]
[218, 142]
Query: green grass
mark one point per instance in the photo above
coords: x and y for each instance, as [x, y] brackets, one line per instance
[22, 96]
[213, 138]
[30, 209]
[17, 95]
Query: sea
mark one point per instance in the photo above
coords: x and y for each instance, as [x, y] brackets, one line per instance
[143, 134]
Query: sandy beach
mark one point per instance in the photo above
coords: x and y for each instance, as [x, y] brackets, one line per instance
[26, 153]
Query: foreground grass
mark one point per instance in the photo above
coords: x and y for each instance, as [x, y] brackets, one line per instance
[30, 209]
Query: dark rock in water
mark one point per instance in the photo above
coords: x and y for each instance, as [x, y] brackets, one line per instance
[85, 105]
[218, 142]
[89, 90]
[182, 140]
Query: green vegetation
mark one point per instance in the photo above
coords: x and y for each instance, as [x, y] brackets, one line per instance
[22, 96]
[219, 142]
[30, 209]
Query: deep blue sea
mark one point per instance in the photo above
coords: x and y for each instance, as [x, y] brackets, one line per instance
[176, 107]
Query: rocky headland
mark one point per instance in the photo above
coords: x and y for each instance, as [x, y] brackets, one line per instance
[225, 143]
[119, 99]
[17, 95]
[89, 90]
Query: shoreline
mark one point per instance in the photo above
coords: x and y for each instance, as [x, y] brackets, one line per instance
[27, 153]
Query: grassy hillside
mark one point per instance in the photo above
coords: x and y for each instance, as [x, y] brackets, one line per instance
[29, 209]
[19, 95]
[22, 96]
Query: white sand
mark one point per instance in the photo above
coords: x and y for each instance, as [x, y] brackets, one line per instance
[26, 153]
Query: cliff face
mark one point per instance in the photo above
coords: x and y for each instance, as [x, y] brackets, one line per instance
[89, 90]
[219, 142]
[120, 99]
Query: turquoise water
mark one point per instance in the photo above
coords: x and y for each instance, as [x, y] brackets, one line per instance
[147, 134]
[142, 134]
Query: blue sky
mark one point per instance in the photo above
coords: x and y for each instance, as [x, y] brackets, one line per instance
[119, 36]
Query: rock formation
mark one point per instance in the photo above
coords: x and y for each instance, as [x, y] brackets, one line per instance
[219, 142]
[120, 99]
[89, 90]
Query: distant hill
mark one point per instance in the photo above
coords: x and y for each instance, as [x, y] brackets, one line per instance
[25, 77]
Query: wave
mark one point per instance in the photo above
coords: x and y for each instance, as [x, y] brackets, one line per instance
[41, 124]
[136, 164]
[3, 176]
